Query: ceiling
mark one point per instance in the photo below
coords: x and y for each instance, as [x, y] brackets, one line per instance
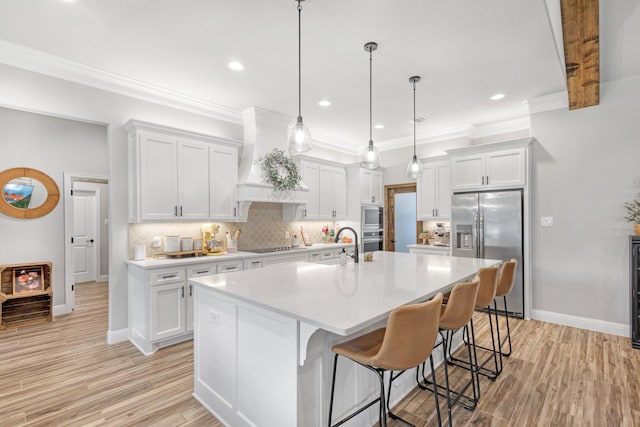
[465, 51]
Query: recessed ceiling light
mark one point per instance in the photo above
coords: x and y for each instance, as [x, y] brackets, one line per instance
[324, 103]
[418, 120]
[235, 66]
[380, 126]
[497, 96]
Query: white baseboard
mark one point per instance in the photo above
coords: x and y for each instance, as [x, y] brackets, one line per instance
[121, 335]
[604, 326]
[60, 309]
[103, 278]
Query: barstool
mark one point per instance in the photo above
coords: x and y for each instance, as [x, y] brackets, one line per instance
[506, 280]
[488, 278]
[456, 315]
[405, 343]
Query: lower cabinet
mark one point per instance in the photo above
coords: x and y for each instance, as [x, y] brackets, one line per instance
[430, 250]
[161, 303]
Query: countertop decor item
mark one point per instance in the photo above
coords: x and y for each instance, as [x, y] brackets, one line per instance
[633, 214]
[280, 171]
[371, 156]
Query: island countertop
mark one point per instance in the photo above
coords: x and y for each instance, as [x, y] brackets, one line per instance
[344, 299]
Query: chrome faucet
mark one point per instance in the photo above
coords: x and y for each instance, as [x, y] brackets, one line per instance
[355, 254]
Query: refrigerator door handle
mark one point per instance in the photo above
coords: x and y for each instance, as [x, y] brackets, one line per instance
[476, 234]
[481, 236]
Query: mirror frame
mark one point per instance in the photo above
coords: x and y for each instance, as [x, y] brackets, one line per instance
[53, 193]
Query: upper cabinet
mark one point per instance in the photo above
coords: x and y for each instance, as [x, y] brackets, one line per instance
[434, 190]
[489, 166]
[371, 187]
[176, 175]
[327, 183]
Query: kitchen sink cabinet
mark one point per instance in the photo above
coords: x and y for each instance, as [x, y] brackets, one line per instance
[434, 191]
[489, 166]
[176, 175]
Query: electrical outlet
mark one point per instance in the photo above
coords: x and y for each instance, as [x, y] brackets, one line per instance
[286, 235]
[546, 221]
[157, 242]
[214, 317]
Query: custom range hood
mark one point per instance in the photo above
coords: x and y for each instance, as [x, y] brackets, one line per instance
[264, 130]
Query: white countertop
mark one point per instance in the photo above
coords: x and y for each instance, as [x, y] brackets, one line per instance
[150, 263]
[344, 299]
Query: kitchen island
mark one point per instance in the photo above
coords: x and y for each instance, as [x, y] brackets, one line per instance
[262, 351]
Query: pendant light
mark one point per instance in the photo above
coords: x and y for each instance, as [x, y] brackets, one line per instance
[299, 138]
[414, 168]
[370, 157]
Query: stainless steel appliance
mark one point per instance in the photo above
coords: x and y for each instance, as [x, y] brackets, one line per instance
[372, 240]
[372, 218]
[489, 225]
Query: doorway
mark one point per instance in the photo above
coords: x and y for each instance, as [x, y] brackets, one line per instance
[86, 233]
[401, 226]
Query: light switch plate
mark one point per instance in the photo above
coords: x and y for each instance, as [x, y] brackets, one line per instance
[546, 221]
[157, 242]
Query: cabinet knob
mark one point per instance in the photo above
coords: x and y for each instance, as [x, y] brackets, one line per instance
[234, 211]
[190, 290]
[487, 179]
[182, 291]
[482, 179]
[180, 210]
[175, 210]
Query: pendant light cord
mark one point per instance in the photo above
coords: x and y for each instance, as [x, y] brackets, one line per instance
[414, 119]
[299, 61]
[370, 95]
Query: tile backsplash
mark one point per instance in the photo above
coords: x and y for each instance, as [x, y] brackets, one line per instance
[264, 228]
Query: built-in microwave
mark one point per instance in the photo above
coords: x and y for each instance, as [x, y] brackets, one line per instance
[372, 218]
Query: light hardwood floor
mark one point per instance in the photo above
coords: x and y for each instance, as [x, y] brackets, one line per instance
[63, 373]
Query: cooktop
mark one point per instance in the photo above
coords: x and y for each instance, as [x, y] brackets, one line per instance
[267, 250]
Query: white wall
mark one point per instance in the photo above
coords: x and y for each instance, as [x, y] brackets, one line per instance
[35, 92]
[586, 164]
[53, 146]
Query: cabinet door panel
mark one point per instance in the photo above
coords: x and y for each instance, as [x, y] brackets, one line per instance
[467, 172]
[224, 178]
[443, 191]
[376, 187]
[158, 177]
[426, 192]
[340, 193]
[193, 181]
[506, 168]
[311, 178]
[167, 311]
[326, 207]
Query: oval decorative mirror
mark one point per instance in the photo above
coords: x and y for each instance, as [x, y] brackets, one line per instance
[27, 193]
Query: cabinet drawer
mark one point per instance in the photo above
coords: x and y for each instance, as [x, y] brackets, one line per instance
[252, 263]
[202, 270]
[283, 259]
[327, 254]
[167, 275]
[229, 266]
[314, 257]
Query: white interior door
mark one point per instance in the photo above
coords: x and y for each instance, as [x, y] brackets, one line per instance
[84, 238]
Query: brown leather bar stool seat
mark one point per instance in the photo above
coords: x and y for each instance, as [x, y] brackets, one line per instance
[456, 315]
[488, 278]
[405, 343]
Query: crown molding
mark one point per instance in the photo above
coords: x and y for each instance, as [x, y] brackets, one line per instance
[553, 101]
[33, 60]
[497, 128]
[426, 137]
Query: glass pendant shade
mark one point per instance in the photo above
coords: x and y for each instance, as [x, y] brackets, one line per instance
[370, 158]
[414, 168]
[298, 137]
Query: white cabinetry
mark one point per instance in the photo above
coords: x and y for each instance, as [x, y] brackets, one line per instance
[371, 187]
[489, 166]
[429, 250]
[327, 183]
[161, 302]
[170, 179]
[434, 190]
[223, 161]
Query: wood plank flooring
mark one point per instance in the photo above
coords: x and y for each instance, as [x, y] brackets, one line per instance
[64, 374]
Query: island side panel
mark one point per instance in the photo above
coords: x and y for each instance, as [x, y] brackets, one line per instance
[245, 361]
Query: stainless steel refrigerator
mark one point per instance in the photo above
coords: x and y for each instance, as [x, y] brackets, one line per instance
[489, 225]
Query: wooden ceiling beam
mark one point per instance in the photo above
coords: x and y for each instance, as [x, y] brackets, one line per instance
[581, 33]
